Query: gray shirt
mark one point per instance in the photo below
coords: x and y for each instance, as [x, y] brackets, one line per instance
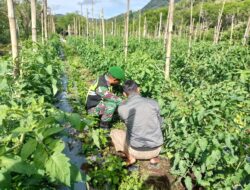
[143, 121]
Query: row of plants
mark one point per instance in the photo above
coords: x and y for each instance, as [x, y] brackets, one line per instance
[103, 169]
[205, 105]
[31, 148]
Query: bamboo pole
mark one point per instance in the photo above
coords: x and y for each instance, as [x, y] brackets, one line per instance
[139, 27]
[160, 26]
[92, 22]
[133, 29]
[87, 23]
[103, 30]
[69, 30]
[33, 19]
[219, 23]
[45, 20]
[13, 36]
[115, 32]
[246, 34]
[100, 23]
[74, 26]
[232, 29]
[145, 27]
[181, 28]
[200, 22]
[166, 31]
[156, 30]
[169, 39]
[190, 27]
[42, 25]
[79, 26]
[127, 31]
[112, 28]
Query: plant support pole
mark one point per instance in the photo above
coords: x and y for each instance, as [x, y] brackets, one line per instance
[169, 38]
[127, 31]
[13, 36]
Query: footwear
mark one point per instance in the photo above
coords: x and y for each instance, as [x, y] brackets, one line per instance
[104, 125]
[133, 168]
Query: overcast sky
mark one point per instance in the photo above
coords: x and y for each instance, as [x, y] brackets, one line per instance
[111, 7]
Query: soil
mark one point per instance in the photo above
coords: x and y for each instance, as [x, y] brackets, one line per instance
[157, 177]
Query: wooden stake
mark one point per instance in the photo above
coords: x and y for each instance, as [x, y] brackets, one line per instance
[42, 25]
[45, 20]
[169, 38]
[87, 23]
[145, 27]
[247, 31]
[190, 27]
[13, 36]
[103, 30]
[232, 29]
[166, 31]
[219, 23]
[33, 19]
[127, 31]
[69, 30]
[139, 27]
[115, 32]
[160, 26]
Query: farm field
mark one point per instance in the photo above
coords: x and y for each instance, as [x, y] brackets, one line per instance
[200, 78]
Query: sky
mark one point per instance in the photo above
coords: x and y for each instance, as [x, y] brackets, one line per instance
[110, 7]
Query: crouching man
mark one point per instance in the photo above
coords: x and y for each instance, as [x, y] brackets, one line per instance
[101, 100]
[143, 138]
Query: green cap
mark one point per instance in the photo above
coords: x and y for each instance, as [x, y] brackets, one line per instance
[117, 72]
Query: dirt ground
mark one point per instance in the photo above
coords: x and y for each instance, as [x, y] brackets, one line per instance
[158, 177]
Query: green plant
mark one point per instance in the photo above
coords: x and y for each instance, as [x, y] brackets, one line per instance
[105, 172]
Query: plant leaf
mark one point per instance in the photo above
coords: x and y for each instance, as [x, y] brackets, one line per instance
[188, 183]
[95, 136]
[49, 69]
[28, 148]
[58, 167]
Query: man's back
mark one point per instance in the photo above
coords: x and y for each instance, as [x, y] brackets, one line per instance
[143, 121]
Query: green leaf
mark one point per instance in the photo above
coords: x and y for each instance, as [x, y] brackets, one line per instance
[213, 158]
[52, 131]
[22, 130]
[75, 121]
[177, 159]
[95, 137]
[188, 183]
[75, 174]
[247, 168]
[3, 84]
[54, 86]
[203, 143]
[5, 179]
[3, 68]
[15, 164]
[40, 156]
[197, 174]
[28, 148]
[3, 110]
[56, 145]
[49, 69]
[40, 59]
[58, 167]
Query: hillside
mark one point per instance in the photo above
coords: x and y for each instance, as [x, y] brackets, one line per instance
[154, 4]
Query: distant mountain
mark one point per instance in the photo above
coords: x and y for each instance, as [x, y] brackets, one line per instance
[154, 4]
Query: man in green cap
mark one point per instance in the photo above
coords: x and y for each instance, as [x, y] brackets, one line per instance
[100, 99]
